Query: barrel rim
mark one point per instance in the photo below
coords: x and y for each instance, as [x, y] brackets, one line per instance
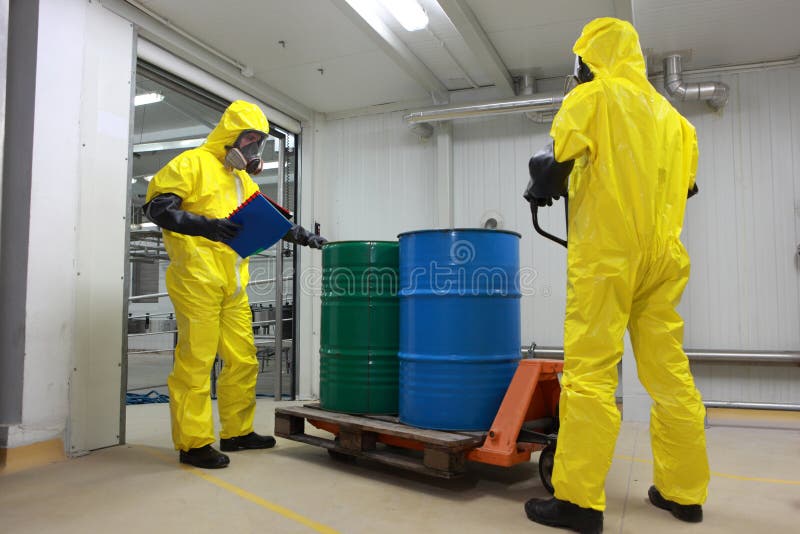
[372, 241]
[448, 230]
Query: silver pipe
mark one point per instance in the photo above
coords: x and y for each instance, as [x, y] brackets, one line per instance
[715, 93]
[744, 67]
[784, 357]
[151, 315]
[557, 353]
[753, 405]
[788, 357]
[551, 353]
[514, 105]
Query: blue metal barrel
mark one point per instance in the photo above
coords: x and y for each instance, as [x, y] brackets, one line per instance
[459, 326]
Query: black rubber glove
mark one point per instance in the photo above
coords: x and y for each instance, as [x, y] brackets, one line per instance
[316, 241]
[300, 236]
[164, 210]
[548, 177]
[221, 230]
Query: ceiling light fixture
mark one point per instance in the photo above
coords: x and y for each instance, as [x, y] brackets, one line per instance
[408, 13]
[147, 98]
[169, 145]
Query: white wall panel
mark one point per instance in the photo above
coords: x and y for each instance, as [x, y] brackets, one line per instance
[96, 417]
[490, 160]
[73, 325]
[372, 179]
[742, 229]
[742, 233]
[377, 178]
[50, 323]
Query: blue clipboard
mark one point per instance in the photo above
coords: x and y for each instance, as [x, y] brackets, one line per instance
[262, 226]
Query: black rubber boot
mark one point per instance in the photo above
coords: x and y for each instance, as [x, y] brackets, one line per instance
[691, 513]
[557, 513]
[206, 457]
[248, 441]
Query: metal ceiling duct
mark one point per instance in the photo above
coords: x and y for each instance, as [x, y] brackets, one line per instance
[515, 105]
[542, 109]
[715, 93]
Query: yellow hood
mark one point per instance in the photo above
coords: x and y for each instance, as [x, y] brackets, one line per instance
[611, 49]
[239, 116]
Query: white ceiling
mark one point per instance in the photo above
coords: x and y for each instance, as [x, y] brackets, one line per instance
[331, 62]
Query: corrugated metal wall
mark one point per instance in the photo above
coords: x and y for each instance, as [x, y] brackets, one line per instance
[742, 231]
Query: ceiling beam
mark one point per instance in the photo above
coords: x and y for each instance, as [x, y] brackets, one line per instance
[391, 44]
[165, 37]
[467, 25]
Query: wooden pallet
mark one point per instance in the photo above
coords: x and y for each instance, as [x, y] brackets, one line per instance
[380, 438]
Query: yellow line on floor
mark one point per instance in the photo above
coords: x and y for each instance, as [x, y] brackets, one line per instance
[722, 475]
[756, 479]
[285, 512]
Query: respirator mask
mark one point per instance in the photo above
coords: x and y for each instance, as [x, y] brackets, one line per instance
[581, 74]
[245, 154]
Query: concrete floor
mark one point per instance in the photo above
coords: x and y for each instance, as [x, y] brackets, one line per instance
[297, 488]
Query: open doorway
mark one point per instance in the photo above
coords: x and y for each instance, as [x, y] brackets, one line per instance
[171, 116]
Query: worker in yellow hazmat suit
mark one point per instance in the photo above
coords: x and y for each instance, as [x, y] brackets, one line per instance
[191, 198]
[631, 160]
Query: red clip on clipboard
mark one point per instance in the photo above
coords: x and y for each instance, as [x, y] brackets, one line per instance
[263, 225]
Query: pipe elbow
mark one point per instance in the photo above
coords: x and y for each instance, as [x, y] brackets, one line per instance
[714, 93]
[675, 88]
[720, 97]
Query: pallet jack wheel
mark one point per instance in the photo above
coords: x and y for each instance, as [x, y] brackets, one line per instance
[546, 461]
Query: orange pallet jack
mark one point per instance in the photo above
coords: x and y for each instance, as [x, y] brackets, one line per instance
[527, 421]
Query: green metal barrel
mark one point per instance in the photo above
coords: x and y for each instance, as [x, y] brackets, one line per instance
[359, 327]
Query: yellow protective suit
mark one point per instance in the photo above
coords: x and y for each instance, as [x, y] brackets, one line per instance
[206, 282]
[635, 160]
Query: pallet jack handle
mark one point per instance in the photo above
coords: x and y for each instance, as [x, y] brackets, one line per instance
[533, 394]
[541, 231]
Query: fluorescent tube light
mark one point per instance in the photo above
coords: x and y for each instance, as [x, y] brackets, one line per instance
[147, 98]
[168, 145]
[408, 13]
